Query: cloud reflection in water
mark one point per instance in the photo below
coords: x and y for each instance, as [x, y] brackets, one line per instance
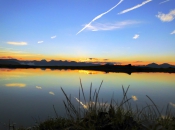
[134, 98]
[38, 87]
[52, 93]
[20, 85]
[172, 104]
[92, 104]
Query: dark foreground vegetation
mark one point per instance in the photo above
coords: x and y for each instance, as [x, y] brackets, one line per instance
[94, 114]
[105, 68]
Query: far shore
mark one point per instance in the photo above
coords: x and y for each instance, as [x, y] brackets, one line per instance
[105, 68]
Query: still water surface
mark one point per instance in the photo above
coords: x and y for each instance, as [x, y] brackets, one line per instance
[27, 95]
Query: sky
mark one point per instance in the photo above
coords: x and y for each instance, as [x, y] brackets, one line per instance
[134, 32]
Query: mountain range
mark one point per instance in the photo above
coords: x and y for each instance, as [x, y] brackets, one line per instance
[44, 63]
[164, 65]
[69, 63]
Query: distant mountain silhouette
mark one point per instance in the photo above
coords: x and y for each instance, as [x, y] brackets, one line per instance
[71, 63]
[44, 63]
[9, 62]
[164, 65]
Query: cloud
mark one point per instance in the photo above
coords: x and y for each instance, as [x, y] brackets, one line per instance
[6, 57]
[105, 59]
[84, 60]
[172, 104]
[110, 26]
[20, 85]
[134, 98]
[110, 63]
[135, 7]
[40, 41]
[136, 36]
[38, 87]
[164, 1]
[11, 51]
[88, 59]
[166, 17]
[93, 59]
[99, 16]
[52, 93]
[173, 32]
[53, 37]
[138, 61]
[17, 43]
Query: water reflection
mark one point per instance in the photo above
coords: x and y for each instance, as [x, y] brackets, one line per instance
[20, 85]
[90, 72]
[38, 87]
[85, 106]
[52, 93]
[29, 102]
[134, 98]
[92, 104]
[172, 104]
[8, 74]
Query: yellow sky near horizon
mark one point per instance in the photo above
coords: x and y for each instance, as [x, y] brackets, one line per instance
[134, 60]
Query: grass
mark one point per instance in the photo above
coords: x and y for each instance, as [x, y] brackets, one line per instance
[94, 114]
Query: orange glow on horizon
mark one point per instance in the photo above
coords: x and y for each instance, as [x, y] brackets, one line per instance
[122, 61]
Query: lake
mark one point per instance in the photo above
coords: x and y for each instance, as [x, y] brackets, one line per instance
[28, 95]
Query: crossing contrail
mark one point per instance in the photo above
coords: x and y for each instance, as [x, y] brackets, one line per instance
[99, 16]
[164, 1]
[135, 7]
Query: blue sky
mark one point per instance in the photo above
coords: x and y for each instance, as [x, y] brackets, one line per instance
[125, 31]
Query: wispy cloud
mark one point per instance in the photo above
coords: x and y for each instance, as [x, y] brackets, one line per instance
[17, 43]
[99, 16]
[138, 61]
[164, 1]
[6, 57]
[136, 36]
[52, 93]
[84, 60]
[166, 17]
[11, 51]
[38, 87]
[109, 63]
[134, 98]
[53, 37]
[20, 85]
[93, 59]
[135, 7]
[14, 53]
[40, 41]
[88, 60]
[173, 32]
[110, 26]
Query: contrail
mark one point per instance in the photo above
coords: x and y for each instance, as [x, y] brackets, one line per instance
[99, 16]
[164, 1]
[135, 7]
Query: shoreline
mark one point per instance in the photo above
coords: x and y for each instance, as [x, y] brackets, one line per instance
[104, 68]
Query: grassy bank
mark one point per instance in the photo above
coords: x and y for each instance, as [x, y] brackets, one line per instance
[94, 114]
